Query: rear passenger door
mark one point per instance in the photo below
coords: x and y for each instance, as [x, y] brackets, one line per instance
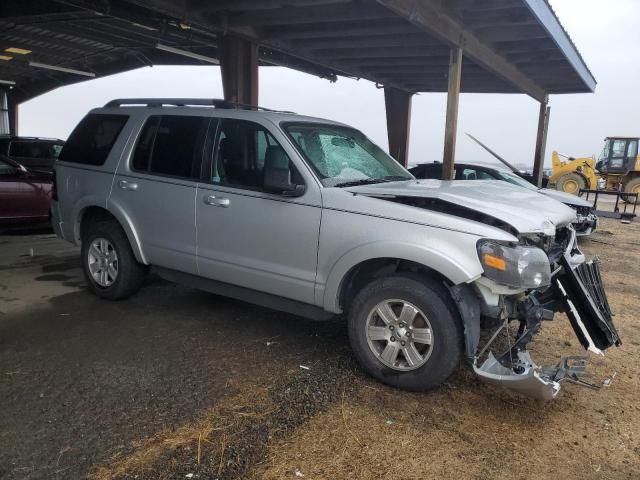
[251, 237]
[157, 187]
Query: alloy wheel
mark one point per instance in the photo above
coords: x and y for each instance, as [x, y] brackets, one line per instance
[102, 259]
[399, 335]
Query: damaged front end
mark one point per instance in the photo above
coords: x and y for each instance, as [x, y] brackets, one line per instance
[574, 287]
[586, 221]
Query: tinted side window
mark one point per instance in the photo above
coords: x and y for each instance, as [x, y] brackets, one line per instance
[242, 149]
[171, 145]
[35, 149]
[92, 140]
[24, 149]
[144, 146]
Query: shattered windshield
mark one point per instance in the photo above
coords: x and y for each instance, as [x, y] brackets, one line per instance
[343, 156]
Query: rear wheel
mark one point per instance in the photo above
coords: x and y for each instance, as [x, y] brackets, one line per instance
[571, 183]
[109, 265]
[404, 332]
[633, 186]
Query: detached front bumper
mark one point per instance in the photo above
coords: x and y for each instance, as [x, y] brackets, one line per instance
[579, 292]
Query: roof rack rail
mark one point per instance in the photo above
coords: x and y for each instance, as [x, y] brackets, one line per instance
[183, 102]
[158, 102]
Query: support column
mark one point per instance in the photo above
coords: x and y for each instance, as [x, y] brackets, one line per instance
[239, 69]
[398, 107]
[541, 141]
[13, 115]
[451, 126]
[8, 114]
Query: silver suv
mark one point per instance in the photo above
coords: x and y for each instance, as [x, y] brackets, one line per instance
[309, 216]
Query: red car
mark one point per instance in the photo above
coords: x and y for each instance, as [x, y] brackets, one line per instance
[24, 194]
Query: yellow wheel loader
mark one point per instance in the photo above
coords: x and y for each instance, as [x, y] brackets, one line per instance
[617, 169]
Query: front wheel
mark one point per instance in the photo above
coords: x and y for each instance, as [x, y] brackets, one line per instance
[633, 186]
[108, 262]
[405, 333]
[571, 183]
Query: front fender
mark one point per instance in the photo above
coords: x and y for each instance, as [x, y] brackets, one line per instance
[456, 270]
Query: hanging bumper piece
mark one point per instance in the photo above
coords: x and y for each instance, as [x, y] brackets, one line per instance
[578, 291]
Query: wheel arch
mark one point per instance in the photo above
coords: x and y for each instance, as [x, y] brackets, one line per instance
[376, 259]
[90, 212]
[466, 305]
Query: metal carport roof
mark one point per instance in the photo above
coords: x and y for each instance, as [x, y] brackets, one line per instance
[509, 45]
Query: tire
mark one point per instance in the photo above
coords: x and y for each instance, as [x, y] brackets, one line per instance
[571, 183]
[436, 311]
[633, 186]
[129, 273]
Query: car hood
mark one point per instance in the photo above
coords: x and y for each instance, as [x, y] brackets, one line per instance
[564, 197]
[526, 211]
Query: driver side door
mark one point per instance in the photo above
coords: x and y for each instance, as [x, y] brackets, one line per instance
[248, 236]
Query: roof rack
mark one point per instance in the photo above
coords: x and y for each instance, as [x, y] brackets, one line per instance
[184, 102]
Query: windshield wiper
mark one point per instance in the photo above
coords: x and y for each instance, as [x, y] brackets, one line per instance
[395, 178]
[370, 181]
[363, 181]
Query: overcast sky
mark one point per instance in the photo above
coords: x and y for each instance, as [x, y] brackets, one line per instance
[606, 34]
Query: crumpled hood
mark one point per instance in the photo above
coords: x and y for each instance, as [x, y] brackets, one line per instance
[566, 198]
[525, 210]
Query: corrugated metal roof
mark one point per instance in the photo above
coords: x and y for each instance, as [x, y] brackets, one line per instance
[510, 45]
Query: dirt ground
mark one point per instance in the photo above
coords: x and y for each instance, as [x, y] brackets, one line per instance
[177, 383]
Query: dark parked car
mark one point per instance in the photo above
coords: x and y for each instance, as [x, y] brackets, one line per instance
[24, 194]
[33, 152]
[586, 218]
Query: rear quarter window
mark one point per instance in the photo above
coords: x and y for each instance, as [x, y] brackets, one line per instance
[92, 140]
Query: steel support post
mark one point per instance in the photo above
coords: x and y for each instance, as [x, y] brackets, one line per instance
[541, 141]
[451, 126]
[239, 69]
[398, 108]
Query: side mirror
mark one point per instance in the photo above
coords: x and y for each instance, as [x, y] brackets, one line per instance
[278, 180]
[22, 170]
[277, 174]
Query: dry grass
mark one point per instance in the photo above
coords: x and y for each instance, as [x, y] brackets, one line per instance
[471, 431]
[206, 438]
[464, 430]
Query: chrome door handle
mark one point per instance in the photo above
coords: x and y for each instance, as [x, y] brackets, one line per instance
[216, 201]
[125, 185]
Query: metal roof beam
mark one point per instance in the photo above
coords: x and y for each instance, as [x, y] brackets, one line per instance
[482, 5]
[396, 61]
[343, 30]
[383, 53]
[307, 15]
[429, 16]
[510, 32]
[249, 5]
[371, 42]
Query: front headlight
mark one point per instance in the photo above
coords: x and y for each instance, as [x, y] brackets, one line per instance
[519, 267]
